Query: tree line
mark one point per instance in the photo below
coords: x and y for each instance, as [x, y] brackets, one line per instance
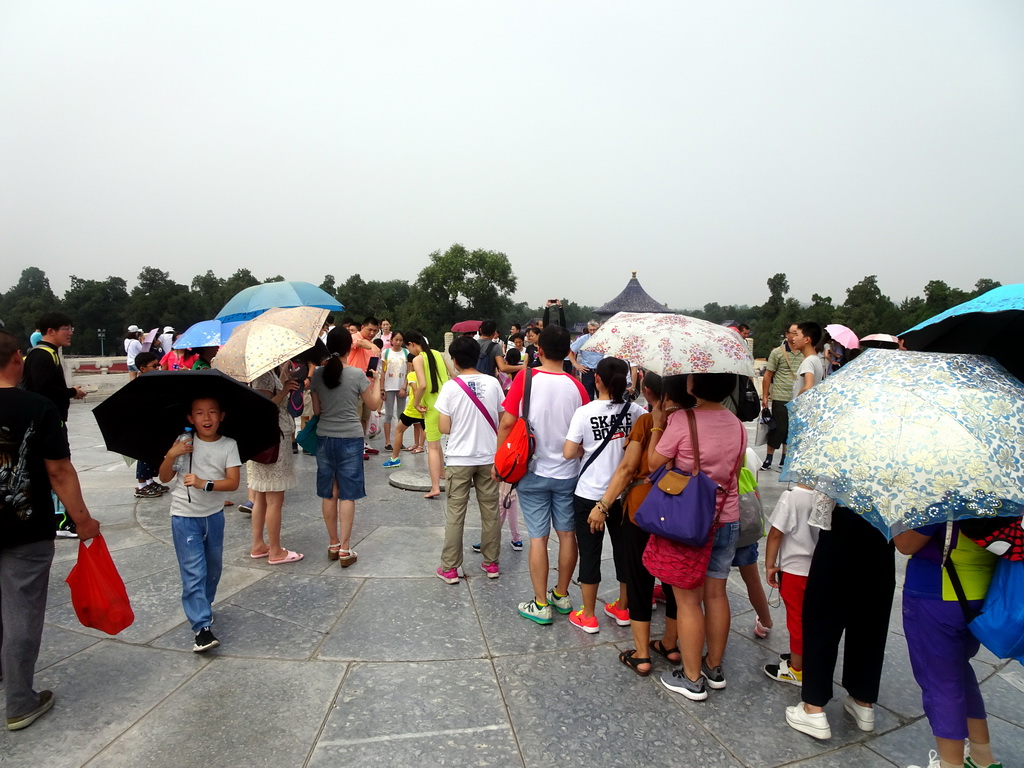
[457, 284]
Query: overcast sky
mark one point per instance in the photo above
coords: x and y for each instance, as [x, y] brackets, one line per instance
[706, 145]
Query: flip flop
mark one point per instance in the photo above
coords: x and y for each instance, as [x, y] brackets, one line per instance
[257, 557]
[229, 503]
[290, 557]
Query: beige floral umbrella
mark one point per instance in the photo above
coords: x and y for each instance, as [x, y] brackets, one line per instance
[671, 344]
[263, 343]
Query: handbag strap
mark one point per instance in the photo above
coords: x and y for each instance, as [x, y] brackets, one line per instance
[691, 420]
[617, 420]
[477, 403]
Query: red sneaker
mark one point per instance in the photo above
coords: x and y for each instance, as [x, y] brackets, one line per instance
[621, 615]
[587, 624]
[659, 593]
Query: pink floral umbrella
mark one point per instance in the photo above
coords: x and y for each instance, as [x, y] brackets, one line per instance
[671, 344]
[843, 335]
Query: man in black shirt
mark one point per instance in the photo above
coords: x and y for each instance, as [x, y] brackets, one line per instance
[34, 457]
[44, 375]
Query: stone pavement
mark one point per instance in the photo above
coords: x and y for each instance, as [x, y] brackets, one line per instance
[383, 664]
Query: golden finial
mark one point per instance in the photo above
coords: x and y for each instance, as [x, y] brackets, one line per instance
[634, 274]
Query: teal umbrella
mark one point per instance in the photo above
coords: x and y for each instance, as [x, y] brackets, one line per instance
[255, 300]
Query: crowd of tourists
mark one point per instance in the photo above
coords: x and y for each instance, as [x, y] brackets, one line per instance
[594, 448]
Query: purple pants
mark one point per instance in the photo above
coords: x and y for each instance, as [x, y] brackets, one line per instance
[941, 648]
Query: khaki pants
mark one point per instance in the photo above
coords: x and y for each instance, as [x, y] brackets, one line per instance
[458, 481]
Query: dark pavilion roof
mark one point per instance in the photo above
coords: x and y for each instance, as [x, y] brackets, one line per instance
[632, 299]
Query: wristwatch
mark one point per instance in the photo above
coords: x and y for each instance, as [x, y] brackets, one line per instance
[209, 486]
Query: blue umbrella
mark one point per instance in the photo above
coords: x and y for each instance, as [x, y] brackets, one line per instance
[990, 324]
[206, 333]
[254, 301]
[906, 439]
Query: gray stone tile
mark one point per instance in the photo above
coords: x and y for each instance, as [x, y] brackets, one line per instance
[910, 745]
[268, 713]
[398, 552]
[309, 601]
[407, 620]
[247, 633]
[850, 757]
[59, 644]
[509, 633]
[759, 703]
[156, 601]
[1004, 694]
[441, 713]
[581, 707]
[101, 692]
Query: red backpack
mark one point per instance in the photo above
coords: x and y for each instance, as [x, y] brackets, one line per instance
[513, 455]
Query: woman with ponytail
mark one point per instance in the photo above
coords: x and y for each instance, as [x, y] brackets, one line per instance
[601, 425]
[431, 373]
[337, 391]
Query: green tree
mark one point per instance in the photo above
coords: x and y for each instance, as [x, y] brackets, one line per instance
[157, 301]
[208, 294]
[94, 305]
[459, 284]
[771, 318]
[984, 285]
[867, 310]
[26, 301]
[328, 285]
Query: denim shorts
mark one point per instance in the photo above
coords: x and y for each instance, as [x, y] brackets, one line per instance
[132, 368]
[341, 459]
[745, 556]
[545, 501]
[723, 551]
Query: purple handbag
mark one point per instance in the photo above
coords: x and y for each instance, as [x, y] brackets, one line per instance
[680, 506]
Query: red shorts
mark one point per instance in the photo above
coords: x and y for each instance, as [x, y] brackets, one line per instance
[792, 588]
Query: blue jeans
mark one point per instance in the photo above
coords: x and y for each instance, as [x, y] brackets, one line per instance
[723, 550]
[545, 500]
[340, 459]
[199, 545]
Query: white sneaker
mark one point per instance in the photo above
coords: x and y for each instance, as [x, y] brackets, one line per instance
[815, 725]
[863, 716]
[933, 761]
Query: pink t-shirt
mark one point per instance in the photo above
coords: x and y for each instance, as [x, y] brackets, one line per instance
[723, 439]
[554, 398]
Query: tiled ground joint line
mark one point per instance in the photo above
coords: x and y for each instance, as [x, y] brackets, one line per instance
[420, 735]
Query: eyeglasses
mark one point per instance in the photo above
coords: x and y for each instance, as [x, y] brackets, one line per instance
[69, 328]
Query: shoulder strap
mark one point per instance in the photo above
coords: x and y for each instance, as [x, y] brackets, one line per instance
[617, 420]
[49, 350]
[954, 578]
[476, 402]
[526, 393]
[691, 420]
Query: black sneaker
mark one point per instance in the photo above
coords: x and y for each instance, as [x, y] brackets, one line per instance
[476, 547]
[148, 492]
[66, 528]
[678, 682]
[205, 641]
[767, 463]
[713, 675]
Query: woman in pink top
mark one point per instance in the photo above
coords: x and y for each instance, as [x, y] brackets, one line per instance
[703, 611]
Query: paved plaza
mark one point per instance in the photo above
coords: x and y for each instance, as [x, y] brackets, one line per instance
[383, 664]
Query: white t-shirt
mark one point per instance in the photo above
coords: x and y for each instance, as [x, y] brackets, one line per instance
[554, 398]
[472, 441]
[132, 348]
[395, 365]
[210, 461]
[811, 364]
[790, 516]
[589, 425]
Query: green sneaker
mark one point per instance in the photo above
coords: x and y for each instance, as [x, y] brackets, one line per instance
[562, 603]
[538, 613]
[969, 763]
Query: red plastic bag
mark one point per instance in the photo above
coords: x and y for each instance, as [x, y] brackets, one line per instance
[97, 589]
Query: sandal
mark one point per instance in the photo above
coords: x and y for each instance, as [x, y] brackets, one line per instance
[289, 557]
[416, 449]
[347, 557]
[631, 660]
[333, 551]
[657, 647]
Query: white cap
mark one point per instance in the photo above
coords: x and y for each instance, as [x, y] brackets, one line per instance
[168, 329]
[134, 329]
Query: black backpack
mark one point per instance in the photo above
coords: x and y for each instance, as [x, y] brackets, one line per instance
[746, 400]
[485, 363]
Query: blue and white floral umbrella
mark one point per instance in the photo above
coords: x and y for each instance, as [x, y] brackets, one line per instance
[912, 438]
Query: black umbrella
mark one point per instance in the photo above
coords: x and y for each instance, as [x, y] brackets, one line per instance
[144, 418]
